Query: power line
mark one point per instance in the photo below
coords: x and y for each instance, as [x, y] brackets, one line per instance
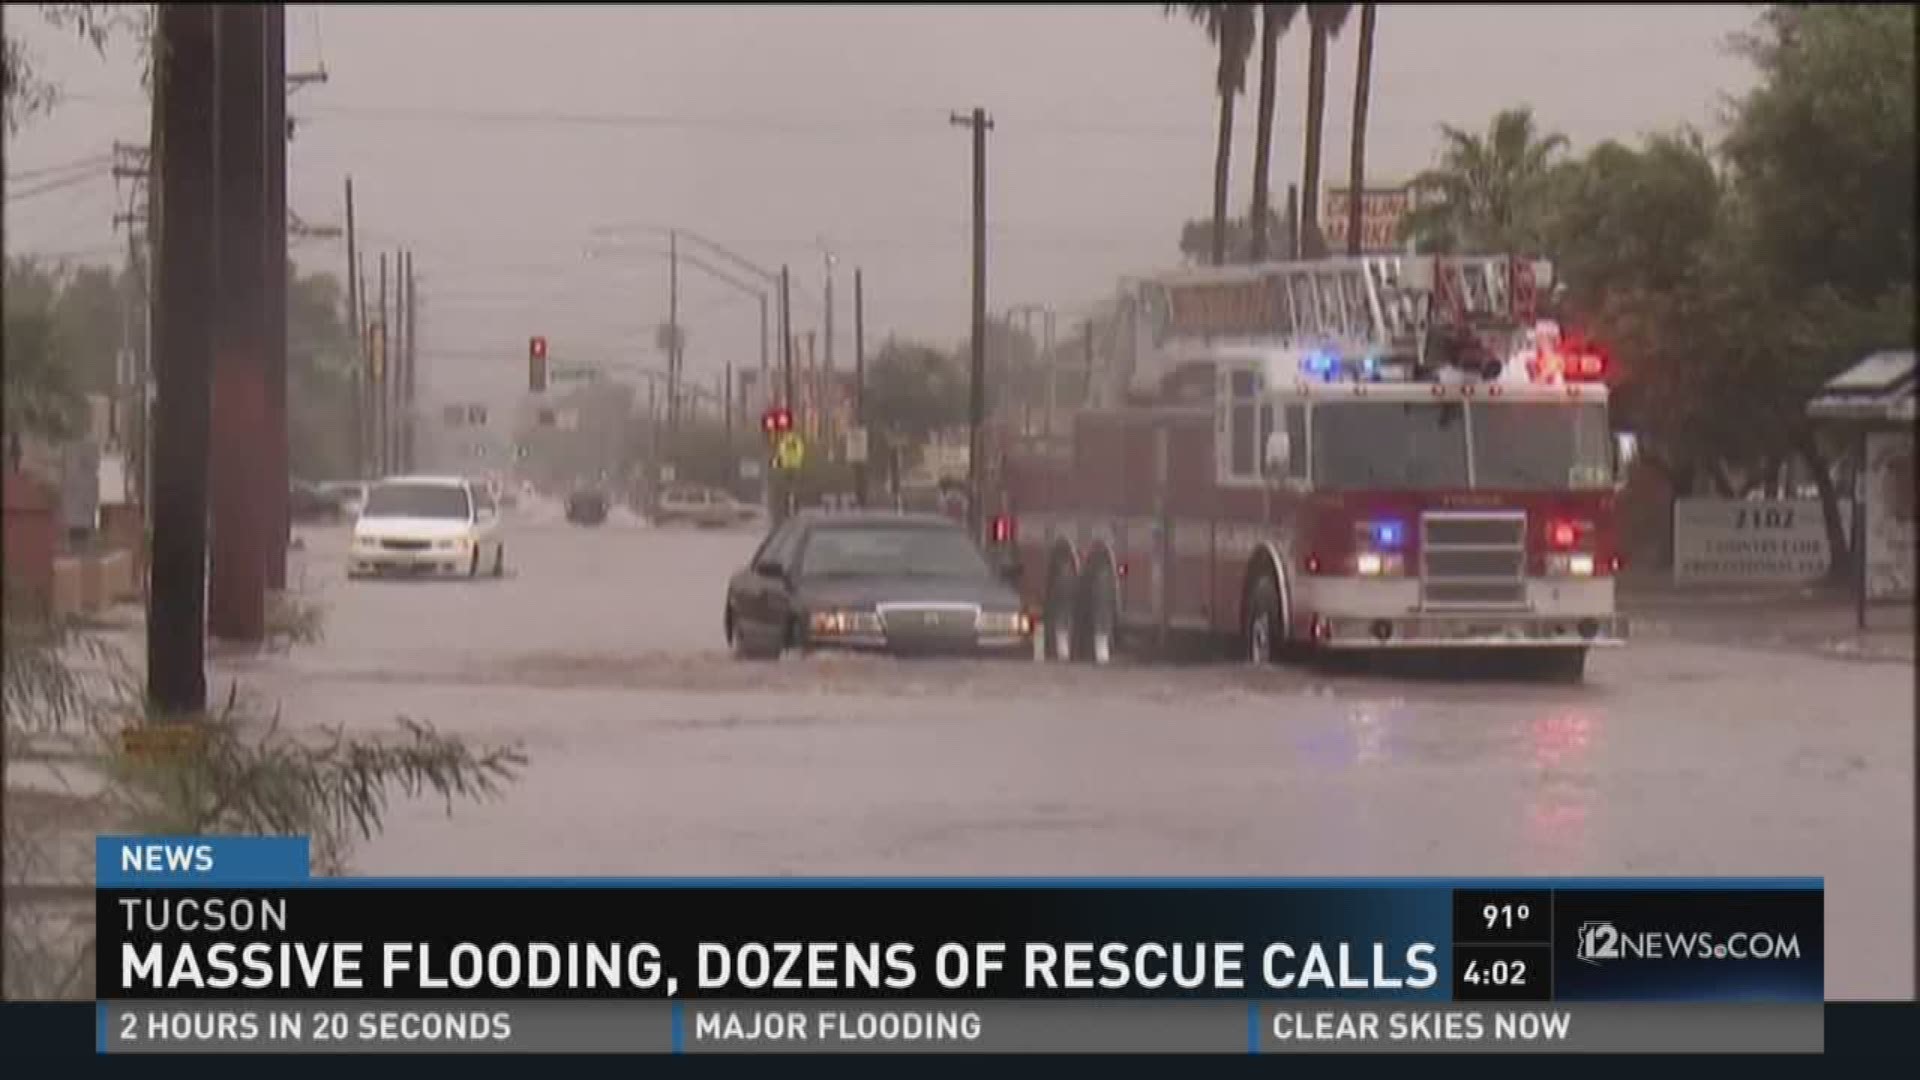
[90, 162]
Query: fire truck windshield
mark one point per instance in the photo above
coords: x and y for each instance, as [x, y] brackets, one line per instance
[1540, 446]
[1516, 446]
[1364, 444]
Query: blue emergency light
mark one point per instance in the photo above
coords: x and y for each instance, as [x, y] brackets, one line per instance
[1386, 535]
[1320, 363]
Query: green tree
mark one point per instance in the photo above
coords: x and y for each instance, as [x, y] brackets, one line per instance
[321, 378]
[1822, 158]
[41, 396]
[1274, 21]
[1488, 193]
[914, 390]
[1231, 28]
[1324, 22]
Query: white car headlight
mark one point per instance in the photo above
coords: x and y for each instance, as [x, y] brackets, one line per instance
[844, 622]
[366, 541]
[1003, 622]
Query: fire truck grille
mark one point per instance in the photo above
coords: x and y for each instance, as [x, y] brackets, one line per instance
[1473, 559]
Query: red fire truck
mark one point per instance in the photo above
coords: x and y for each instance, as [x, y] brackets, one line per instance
[1346, 454]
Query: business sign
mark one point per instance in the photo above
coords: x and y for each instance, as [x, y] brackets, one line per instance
[1382, 209]
[1750, 541]
[1890, 532]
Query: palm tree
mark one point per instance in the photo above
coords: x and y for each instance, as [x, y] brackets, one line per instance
[1485, 193]
[1230, 27]
[1357, 174]
[1274, 20]
[1324, 21]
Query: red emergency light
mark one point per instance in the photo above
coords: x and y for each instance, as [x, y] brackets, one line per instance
[776, 421]
[1563, 534]
[1002, 529]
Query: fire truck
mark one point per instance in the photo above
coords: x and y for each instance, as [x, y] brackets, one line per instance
[1392, 453]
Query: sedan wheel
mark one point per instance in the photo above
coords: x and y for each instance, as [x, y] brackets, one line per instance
[473, 564]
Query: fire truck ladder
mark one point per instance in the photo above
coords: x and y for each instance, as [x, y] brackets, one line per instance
[1384, 301]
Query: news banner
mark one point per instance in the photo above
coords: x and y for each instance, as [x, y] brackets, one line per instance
[229, 945]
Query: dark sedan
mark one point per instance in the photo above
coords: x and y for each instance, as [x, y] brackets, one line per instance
[900, 583]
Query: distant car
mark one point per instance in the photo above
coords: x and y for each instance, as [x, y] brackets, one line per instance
[905, 584]
[587, 507]
[434, 525]
[701, 506]
[350, 495]
[312, 503]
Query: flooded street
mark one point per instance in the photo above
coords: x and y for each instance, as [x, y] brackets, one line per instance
[652, 752]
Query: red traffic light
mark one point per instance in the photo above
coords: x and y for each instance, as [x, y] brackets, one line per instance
[776, 421]
[537, 348]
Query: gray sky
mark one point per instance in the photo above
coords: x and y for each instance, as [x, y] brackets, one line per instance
[492, 140]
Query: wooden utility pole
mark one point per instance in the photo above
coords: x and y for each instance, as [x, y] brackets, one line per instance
[186, 103]
[860, 388]
[362, 384]
[673, 332]
[413, 358]
[236, 592]
[383, 415]
[274, 132]
[977, 392]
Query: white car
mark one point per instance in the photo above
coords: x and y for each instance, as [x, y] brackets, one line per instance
[440, 525]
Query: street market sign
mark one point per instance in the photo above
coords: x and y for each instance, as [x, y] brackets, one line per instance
[1750, 541]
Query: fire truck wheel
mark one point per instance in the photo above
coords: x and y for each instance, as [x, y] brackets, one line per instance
[1102, 608]
[1262, 637]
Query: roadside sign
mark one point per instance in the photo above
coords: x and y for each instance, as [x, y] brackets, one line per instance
[749, 469]
[790, 452]
[857, 446]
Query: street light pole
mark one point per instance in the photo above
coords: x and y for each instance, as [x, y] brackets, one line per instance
[976, 406]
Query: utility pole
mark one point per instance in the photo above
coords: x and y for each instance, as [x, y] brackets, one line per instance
[273, 131]
[1088, 398]
[823, 383]
[977, 392]
[185, 99]
[237, 560]
[355, 333]
[673, 333]
[1053, 379]
[383, 414]
[860, 389]
[786, 339]
[413, 363]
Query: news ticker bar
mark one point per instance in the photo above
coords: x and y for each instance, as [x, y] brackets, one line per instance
[949, 1027]
[211, 919]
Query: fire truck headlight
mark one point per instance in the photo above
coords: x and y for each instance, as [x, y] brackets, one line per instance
[1377, 564]
[1575, 565]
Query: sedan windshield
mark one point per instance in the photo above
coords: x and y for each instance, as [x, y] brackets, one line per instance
[891, 551]
[417, 501]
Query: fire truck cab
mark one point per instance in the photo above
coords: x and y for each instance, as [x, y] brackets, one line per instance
[1291, 487]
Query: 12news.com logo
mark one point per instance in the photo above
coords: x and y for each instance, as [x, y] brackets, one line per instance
[1601, 941]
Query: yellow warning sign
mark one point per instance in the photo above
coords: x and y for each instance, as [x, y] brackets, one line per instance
[790, 452]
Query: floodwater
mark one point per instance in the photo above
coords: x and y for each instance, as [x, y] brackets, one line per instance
[652, 752]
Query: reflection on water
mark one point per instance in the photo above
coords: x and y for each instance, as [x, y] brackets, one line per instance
[1559, 812]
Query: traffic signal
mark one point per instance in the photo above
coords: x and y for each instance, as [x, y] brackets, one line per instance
[537, 364]
[777, 420]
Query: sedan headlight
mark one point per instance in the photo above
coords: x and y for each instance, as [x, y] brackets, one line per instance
[844, 622]
[1004, 622]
